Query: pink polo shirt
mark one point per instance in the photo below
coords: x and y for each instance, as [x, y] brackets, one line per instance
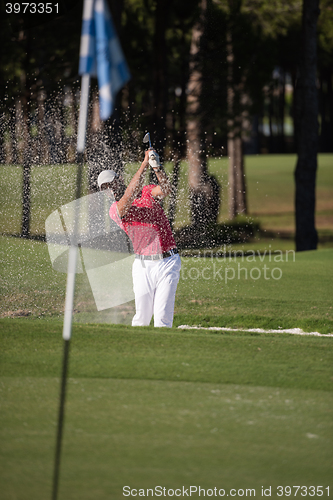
[146, 224]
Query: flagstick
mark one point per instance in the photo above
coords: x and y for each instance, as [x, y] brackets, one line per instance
[60, 421]
[70, 286]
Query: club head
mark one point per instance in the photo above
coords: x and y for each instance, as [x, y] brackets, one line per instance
[147, 139]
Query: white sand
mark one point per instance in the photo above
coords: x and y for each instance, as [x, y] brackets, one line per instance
[294, 331]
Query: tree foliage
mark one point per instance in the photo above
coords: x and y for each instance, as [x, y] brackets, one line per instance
[45, 56]
[39, 63]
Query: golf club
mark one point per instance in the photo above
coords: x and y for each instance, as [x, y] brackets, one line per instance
[147, 139]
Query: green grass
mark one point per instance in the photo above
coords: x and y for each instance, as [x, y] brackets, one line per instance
[270, 193]
[28, 282]
[175, 408]
[33, 349]
[270, 189]
[51, 187]
[169, 408]
[235, 292]
[238, 292]
[148, 407]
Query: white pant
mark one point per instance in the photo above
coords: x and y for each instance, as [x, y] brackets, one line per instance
[155, 284]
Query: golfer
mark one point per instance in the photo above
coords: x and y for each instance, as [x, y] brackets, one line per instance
[157, 264]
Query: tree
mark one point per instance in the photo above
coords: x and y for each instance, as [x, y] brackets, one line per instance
[325, 74]
[204, 189]
[306, 119]
[160, 72]
[229, 54]
[25, 230]
[34, 60]
[235, 96]
[249, 65]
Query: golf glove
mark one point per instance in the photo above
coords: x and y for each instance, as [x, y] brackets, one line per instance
[154, 160]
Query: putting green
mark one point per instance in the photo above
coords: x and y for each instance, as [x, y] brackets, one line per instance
[143, 434]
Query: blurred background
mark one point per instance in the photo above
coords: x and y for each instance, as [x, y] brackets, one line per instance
[215, 84]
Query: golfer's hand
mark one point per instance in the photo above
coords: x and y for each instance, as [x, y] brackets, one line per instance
[146, 159]
[154, 159]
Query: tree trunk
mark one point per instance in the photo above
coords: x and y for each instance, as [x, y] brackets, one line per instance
[43, 157]
[159, 74]
[326, 106]
[25, 81]
[330, 103]
[179, 134]
[204, 189]
[237, 188]
[72, 122]
[13, 136]
[282, 97]
[173, 196]
[96, 152]
[306, 115]
[2, 141]
[271, 142]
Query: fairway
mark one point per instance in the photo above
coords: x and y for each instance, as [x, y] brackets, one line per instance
[166, 412]
[171, 409]
[126, 198]
[270, 193]
[273, 290]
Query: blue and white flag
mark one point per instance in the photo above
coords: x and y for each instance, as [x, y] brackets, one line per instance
[101, 54]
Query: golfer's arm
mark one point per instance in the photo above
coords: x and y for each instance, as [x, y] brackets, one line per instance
[164, 187]
[132, 190]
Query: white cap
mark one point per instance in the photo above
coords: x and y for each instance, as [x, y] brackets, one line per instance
[106, 176]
